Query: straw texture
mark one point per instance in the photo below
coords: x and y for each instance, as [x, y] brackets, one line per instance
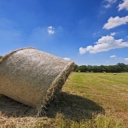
[33, 77]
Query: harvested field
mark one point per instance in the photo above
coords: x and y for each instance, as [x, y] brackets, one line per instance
[87, 100]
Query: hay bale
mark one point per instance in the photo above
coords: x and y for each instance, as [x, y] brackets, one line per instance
[33, 77]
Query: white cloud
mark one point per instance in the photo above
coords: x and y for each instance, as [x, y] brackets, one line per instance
[82, 50]
[105, 43]
[115, 21]
[43, 35]
[109, 3]
[123, 5]
[113, 34]
[107, 6]
[40, 35]
[66, 58]
[126, 59]
[51, 30]
[113, 56]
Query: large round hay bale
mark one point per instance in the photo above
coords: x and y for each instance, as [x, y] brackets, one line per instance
[32, 77]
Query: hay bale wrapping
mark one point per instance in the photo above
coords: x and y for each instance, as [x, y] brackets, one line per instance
[33, 77]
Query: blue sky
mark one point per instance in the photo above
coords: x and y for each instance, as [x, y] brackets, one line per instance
[90, 32]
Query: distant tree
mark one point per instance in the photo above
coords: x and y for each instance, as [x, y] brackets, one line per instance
[96, 69]
[126, 70]
[119, 67]
[83, 68]
[101, 68]
[122, 67]
[76, 68]
[90, 68]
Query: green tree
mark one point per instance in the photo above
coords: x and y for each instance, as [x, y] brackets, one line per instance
[119, 67]
[83, 68]
[122, 67]
[90, 68]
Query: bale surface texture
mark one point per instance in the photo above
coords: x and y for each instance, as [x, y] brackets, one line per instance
[32, 77]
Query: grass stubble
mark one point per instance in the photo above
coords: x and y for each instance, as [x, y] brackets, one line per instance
[87, 100]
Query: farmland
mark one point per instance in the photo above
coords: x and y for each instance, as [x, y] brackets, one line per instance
[87, 100]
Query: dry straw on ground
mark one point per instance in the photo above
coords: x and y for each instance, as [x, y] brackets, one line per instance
[33, 77]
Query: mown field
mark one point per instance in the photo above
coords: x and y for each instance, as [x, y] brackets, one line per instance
[87, 100]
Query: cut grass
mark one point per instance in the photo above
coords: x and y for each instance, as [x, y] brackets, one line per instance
[108, 90]
[88, 100]
[59, 121]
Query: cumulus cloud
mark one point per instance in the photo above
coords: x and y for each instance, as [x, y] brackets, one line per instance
[113, 56]
[66, 58]
[113, 34]
[109, 3]
[42, 35]
[115, 21]
[123, 5]
[126, 59]
[51, 30]
[105, 43]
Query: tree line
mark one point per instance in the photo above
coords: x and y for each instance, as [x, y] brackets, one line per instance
[119, 67]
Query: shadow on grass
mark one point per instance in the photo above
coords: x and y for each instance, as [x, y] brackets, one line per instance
[10, 107]
[70, 106]
[73, 107]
